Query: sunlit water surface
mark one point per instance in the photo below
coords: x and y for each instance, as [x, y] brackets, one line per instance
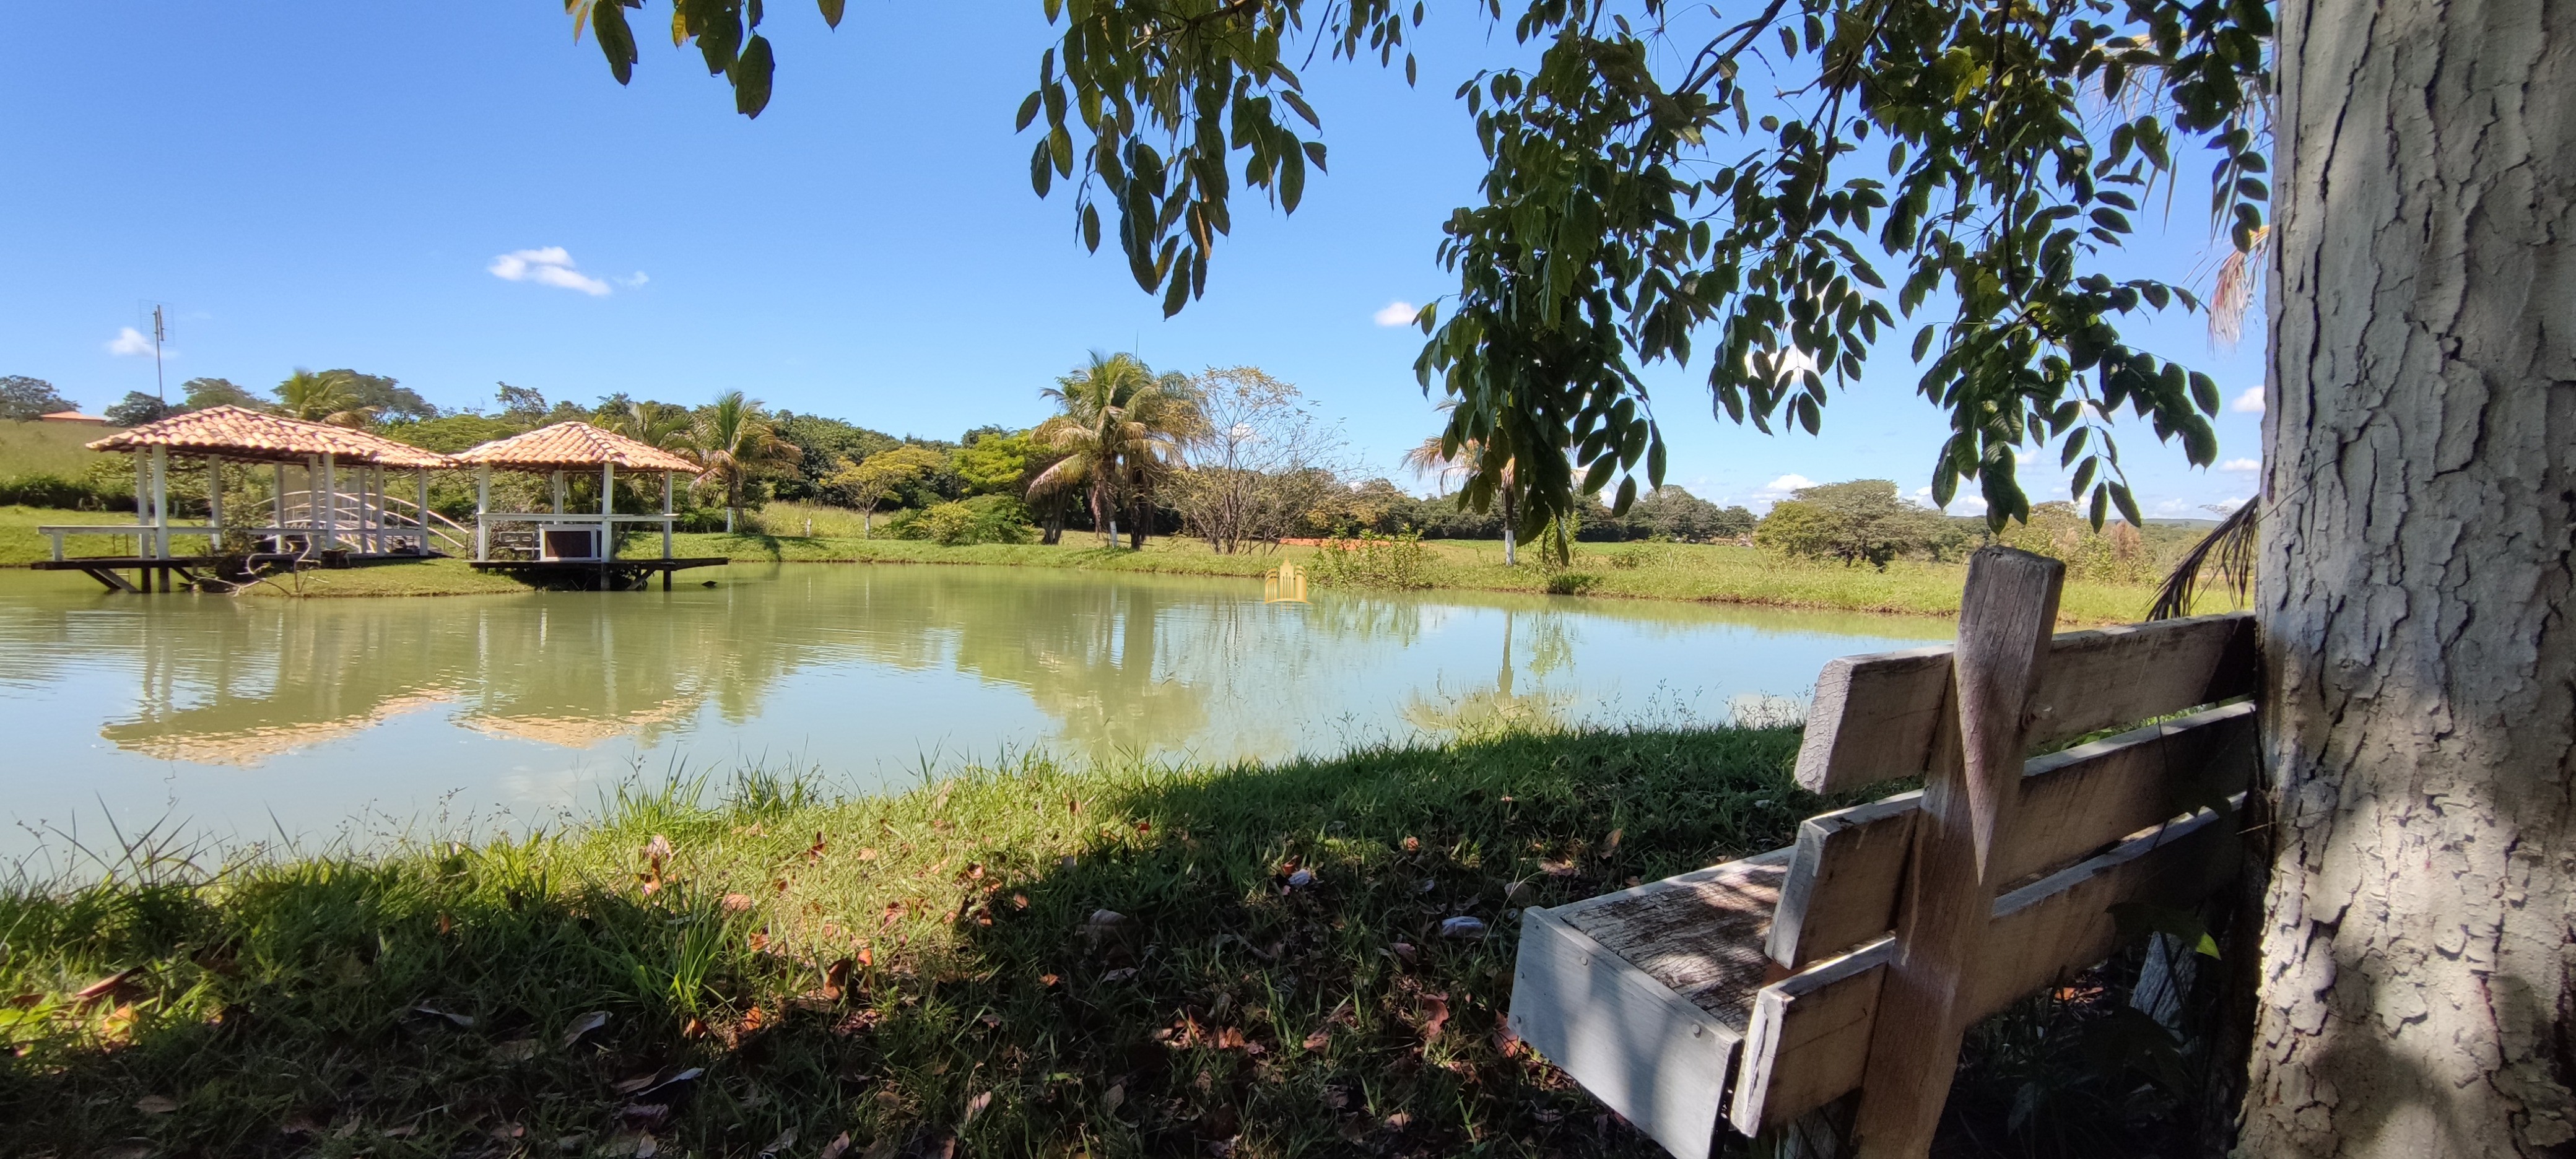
[247, 719]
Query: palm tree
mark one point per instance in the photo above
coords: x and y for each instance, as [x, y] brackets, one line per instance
[733, 444]
[1433, 459]
[1120, 433]
[323, 398]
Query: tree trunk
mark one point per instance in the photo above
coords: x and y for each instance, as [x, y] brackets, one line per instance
[2416, 996]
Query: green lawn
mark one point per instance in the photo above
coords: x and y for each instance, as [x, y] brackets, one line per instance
[1640, 571]
[51, 448]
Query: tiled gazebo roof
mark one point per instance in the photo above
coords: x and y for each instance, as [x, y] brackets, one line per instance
[573, 446]
[231, 432]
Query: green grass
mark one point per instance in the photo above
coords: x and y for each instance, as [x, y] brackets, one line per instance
[19, 542]
[1634, 571]
[49, 448]
[1037, 960]
[1637, 571]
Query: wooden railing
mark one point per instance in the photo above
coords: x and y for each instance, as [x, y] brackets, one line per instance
[1761, 990]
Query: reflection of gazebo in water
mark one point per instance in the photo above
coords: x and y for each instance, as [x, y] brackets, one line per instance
[343, 509]
[564, 544]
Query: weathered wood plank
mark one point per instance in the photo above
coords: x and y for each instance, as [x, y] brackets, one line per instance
[1879, 717]
[2005, 616]
[1842, 884]
[1808, 1041]
[1843, 878]
[1653, 1039]
[2077, 801]
[2048, 929]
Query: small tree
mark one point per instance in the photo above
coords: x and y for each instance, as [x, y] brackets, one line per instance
[734, 444]
[1255, 462]
[994, 463]
[25, 399]
[138, 408]
[202, 393]
[866, 483]
[1855, 522]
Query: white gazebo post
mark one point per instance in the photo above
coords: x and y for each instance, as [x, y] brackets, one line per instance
[607, 509]
[328, 494]
[420, 480]
[214, 505]
[482, 510]
[142, 503]
[277, 516]
[666, 519]
[160, 502]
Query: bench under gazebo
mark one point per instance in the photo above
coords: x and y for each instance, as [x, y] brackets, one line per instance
[345, 509]
[571, 545]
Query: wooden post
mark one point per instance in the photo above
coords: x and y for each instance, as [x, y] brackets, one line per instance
[2006, 617]
[161, 508]
[214, 505]
[559, 492]
[607, 508]
[328, 494]
[482, 508]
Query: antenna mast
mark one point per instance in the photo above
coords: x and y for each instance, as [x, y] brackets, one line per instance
[160, 332]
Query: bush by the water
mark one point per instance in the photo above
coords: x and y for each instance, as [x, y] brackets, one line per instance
[982, 519]
[1372, 561]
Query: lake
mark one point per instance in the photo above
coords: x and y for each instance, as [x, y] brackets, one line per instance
[249, 718]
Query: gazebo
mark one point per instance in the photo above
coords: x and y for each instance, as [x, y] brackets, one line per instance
[568, 542]
[321, 519]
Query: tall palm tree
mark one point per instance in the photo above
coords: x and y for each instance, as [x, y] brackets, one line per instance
[323, 398]
[733, 444]
[1434, 460]
[1120, 431]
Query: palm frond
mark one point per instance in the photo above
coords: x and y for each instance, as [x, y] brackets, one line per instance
[2225, 555]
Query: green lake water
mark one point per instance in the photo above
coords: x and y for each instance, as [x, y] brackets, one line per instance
[243, 719]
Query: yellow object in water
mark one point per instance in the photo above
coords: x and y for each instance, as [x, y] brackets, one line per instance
[1284, 586]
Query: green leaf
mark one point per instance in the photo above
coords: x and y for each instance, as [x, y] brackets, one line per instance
[616, 40]
[2127, 504]
[832, 10]
[2137, 919]
[751, 74]
[1028, 112]
[1292, 181]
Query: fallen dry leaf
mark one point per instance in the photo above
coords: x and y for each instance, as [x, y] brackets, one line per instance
[1111, 1098]
[736, 902]
[1611, 845]
[1046, 979]
[868, 854]
[1462, 927]
[1557, 868]
[785, 1140]
[156, 1104]
[515, 1050]
[445, 924]
[405, 1131]
[573, 1144]
[464, 1020]
[867, 957]
[584, 1025]
[814, 852]
[975, 1106]
[1412, 844]
[1318, 1040]
[1120, 974]
[1435, 1015]
[839, 1146]
[104, 986]
[1399, 1121]
[836, 978]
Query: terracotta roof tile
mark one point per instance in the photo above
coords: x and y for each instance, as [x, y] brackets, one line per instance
[232, 432]
[565, 446]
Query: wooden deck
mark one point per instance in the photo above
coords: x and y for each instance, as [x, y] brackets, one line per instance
[167, 573]
[616, 575]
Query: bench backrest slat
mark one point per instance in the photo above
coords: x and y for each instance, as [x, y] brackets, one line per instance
[1849, 864]
[1881, 717]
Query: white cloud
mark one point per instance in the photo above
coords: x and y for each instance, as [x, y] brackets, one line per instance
[2241, 465]
[2250, 402]
[135, 343]
[633, 280]
[1397, 313]
[550, 266]
[1966, 504]
[1786, 484]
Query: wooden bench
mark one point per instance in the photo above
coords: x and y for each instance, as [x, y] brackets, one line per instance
[1763, 989]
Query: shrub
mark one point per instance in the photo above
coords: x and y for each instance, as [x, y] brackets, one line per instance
[1572, 583]
[982, 519]
[1862, 521]
[47, 489]
[2116, 554]
[1374, 561]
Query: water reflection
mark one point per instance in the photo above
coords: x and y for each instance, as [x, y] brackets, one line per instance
[326, 704]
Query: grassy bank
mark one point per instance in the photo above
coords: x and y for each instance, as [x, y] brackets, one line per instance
[906, 970]
[1635, 571]
[1040, 961]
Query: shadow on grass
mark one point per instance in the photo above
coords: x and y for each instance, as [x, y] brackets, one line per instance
[1123, 961]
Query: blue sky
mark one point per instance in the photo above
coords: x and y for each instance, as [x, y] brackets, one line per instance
[346, 185]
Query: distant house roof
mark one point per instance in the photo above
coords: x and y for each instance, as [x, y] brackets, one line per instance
[72, 416]
[571, 446]
[231, 432]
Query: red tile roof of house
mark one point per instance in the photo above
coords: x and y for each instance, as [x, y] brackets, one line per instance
[231, 432]
[72, 416]
[566, 446]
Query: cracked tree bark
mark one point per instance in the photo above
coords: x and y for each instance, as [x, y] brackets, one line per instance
[2418, 983]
